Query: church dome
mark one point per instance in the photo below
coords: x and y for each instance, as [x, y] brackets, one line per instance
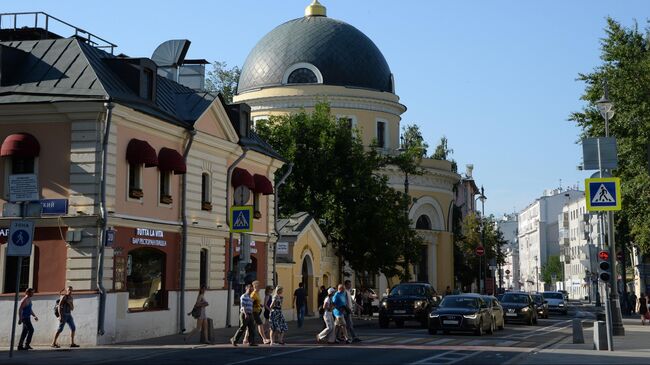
[315, 49]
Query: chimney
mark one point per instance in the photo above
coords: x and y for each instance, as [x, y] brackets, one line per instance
[469, 168]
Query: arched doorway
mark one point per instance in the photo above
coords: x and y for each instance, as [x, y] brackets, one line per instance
[308, 281]
[422, 264]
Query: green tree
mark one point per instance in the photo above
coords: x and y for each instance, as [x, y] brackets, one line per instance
[223, 80]
[336, 180]
[443, 152]
[626, 67]
[552, 268]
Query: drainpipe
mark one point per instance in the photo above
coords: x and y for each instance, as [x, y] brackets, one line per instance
[231, 250]
[181, 306]
[276, 226]
[104, 220]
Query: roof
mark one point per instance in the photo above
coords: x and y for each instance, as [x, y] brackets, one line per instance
[293, 226]
[255, 143]
[68, 69]
[343, 55]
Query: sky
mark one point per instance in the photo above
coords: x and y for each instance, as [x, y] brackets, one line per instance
[497, 78]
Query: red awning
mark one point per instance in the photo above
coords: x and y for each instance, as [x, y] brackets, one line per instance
[242, 177]
[171, 160]
[20, 145]
[262, 184]
[141, 152]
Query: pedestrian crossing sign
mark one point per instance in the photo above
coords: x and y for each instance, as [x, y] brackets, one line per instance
[603, 194]
[241, 219]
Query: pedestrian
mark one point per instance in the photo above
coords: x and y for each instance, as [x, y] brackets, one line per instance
[339, 300]
[348, 317]
[299, 303]
[386, 293]
[198, 312]
[278, 323]
[642, 308]
[367, 303]
[246, 321]
[65, 308]
[448, 290]
[268, 298]
[632, 301]
[322, 294]
[25, 318]
[257, 311]
[328, 334]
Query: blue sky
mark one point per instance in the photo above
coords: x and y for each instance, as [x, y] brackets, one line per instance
[497, 78]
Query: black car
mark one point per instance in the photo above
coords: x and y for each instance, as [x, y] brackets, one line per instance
[463, 313]
[407, 302]
[541, 304]
[498, 316]
[519, 307]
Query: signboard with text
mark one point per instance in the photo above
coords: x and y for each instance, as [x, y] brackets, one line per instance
[23, 188]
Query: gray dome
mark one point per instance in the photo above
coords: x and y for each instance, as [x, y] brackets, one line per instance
[343, 55]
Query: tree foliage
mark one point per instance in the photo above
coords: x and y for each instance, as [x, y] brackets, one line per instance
[552, 268]
[336, 180]
[443, 152]
[626, 67]
[223, 80]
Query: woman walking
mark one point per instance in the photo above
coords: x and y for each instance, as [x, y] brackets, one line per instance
[642, 308]
[327, 335]
[26, 313]
[278, 323]
[198, 312]
[268, 298]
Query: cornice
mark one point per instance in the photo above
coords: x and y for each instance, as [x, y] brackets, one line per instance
[270, 103]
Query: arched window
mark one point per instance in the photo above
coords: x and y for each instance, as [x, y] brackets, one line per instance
[423, 222]
[145, 279]
[302, 76]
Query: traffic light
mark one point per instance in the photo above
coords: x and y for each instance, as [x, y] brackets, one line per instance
[604, 268]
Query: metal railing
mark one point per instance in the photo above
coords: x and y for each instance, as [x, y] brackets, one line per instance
[43, 19]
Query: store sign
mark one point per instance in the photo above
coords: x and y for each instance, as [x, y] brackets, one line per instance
[282, 248]
[148, 237]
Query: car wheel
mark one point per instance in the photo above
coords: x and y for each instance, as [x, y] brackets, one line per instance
[479, 330]
[424, 324]
[399, 323]
[383, 322]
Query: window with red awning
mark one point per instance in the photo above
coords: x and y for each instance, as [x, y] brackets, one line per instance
[141, 152]
[171, 160]
[20, 145]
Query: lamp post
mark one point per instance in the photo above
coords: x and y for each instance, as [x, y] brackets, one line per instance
[606, 109]
[536, 258]
[482, 198]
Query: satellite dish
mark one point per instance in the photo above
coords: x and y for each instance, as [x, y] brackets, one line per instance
[171, 53]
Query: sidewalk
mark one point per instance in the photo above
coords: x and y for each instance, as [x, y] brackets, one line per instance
[633, 348]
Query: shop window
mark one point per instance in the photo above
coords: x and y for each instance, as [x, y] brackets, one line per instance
[145, 279]
[165, 196]
[381, 134]
[26, 271]
[135, 181]
[256, 206]
[203, 269]
[206, 196]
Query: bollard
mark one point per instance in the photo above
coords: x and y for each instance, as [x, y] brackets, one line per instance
[578, 337]
[600, 336]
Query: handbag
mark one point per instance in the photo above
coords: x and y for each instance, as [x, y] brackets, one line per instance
[647, 315]
[196, 312]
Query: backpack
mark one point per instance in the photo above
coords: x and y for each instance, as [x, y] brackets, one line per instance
[56, 308]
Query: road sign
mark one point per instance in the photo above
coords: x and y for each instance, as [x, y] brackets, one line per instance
[19, 242]
[603, 194]
[241, 219]
[599, 153]
[507, 272]
[603, 255]
[241, 195]
[23, 187]
[480, 251]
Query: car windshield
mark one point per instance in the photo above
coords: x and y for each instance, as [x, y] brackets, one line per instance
[459, 302]
[408, 290]
[538, 298]
[515, 298]
[553, 295]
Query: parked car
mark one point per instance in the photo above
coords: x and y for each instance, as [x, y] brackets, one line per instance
[541, 304]
[496, 310]
[462, 313]
[556, 302]
[407, 302]
[519, 307]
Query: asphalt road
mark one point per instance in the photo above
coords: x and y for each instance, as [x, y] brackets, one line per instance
[408, 345]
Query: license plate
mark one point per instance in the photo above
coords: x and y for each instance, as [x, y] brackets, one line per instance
[511, 314]
[399, 311]
[450, 322]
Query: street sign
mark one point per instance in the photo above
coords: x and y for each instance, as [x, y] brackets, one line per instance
[507, 272]
[241, 195]
[603, 194]
[480, 251]
[241, 219]
[599, 153]
[23, 187]
[603, 255]
[19, 242]
[110, 237]
[55, 206]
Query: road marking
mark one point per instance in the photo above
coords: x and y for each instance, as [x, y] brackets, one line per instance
[477, 342]
[407, 340]
[274, 355]
[439, 342]
[376, 339]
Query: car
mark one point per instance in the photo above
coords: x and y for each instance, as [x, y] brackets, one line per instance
[566, 295]
[497, 311]
[519, 307]
[556, 302]
[461, 313]
[407, 302]
[374, 300]
[541, 304]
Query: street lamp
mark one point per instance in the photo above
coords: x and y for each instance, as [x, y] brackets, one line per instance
[536, 258]
[482, 198]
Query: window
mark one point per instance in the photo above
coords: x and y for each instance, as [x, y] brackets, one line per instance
[22, 165]
[381, 134]
[302, 76]
[165, 196]
[145, 279]
[11, 266]
[423, 222]
[135, 187]
[203, 269]
[206, 195]
[256, 206]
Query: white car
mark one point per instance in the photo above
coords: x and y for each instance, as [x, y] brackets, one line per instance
[555, 301]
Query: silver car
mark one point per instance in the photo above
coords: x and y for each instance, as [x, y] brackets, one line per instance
[555, 301]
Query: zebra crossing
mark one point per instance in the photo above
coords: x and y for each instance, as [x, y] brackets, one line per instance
[421, 340]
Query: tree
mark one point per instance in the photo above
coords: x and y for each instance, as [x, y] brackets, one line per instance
[443, 152]
[337, 180]
[412, 140]
[626, 67]
[223, 80]
[552, 268]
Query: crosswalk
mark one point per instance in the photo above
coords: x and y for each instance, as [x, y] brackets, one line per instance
[424, 340]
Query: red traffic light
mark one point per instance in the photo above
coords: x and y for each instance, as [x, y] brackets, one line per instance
[603, 255]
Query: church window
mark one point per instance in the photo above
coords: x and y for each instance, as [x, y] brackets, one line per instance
[302, 76]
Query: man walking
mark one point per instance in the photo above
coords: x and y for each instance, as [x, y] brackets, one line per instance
[26, 313]
[66, 306]
[299, 302]
[348, 312]
[246, 321]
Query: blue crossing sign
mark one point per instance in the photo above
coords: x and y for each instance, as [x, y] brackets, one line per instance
[241, 219]
[19, 242]
[603, 194]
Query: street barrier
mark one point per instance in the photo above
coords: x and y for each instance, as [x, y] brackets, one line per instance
[578, 336]
[600, 336]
